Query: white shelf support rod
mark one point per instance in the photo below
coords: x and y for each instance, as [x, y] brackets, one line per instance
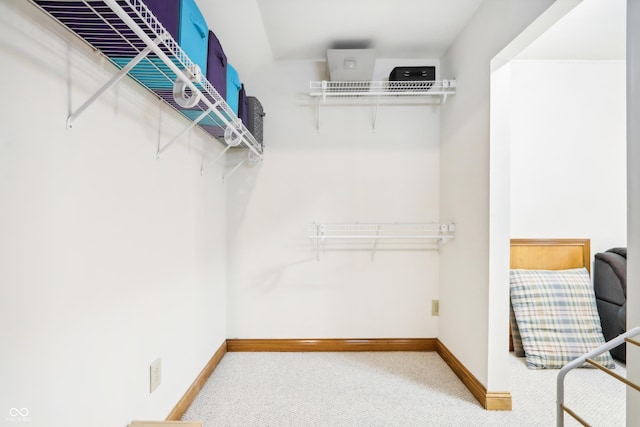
[324, 90]
[235, 168]
[441, 240]
[445, 85]
[321, 100]
[318, 115]
[115, 79]
[378, 89]
[375, 243]
[187, 129]
[320, 241]
[375, 113]
[216, 159]
[226, 175]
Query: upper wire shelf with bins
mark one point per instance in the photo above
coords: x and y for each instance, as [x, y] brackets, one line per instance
[377, 92]
[369, 236]
[130, 36]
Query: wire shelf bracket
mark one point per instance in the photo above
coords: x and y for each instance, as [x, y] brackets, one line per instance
[185, 130]
[371, 236]
[232, 137]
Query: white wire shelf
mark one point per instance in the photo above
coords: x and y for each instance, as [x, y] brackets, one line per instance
[130, 36]
[379, 92]
[414, 236]
[389, 90]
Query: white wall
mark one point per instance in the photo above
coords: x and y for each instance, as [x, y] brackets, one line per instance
[472, 324]
[499, 201]
[238, 25]
[108, 258]
[344, 173]
[633, 198]
[568, 151]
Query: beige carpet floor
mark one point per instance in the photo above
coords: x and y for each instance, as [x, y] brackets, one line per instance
[388, 389]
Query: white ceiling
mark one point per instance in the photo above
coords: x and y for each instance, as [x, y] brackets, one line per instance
[593, 30]
[305, 29]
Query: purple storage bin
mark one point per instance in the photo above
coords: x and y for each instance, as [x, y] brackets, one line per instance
[167, 12]
[214, 126]
[184, 21]
[217, 65]
[243, 106]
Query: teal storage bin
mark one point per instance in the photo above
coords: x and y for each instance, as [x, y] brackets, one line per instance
[233, 88]
[193, 36]
[184, 21]
[210, 120]
[152, 72]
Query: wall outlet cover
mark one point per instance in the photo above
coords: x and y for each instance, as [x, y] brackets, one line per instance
[435, 307]
[155, 375]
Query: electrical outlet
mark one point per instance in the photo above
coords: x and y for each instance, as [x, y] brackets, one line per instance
[435, 307]
[155, 375]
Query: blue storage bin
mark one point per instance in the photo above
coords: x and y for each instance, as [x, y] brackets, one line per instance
[215, 126]
[233, 88]
[212, 124]
[235, 95]
[184, 21]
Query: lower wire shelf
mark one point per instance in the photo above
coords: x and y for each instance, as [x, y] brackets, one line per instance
[369, 236]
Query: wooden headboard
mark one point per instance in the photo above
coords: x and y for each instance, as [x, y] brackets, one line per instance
[550, 254]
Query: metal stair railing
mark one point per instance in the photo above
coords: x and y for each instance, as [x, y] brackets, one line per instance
[561, 408]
